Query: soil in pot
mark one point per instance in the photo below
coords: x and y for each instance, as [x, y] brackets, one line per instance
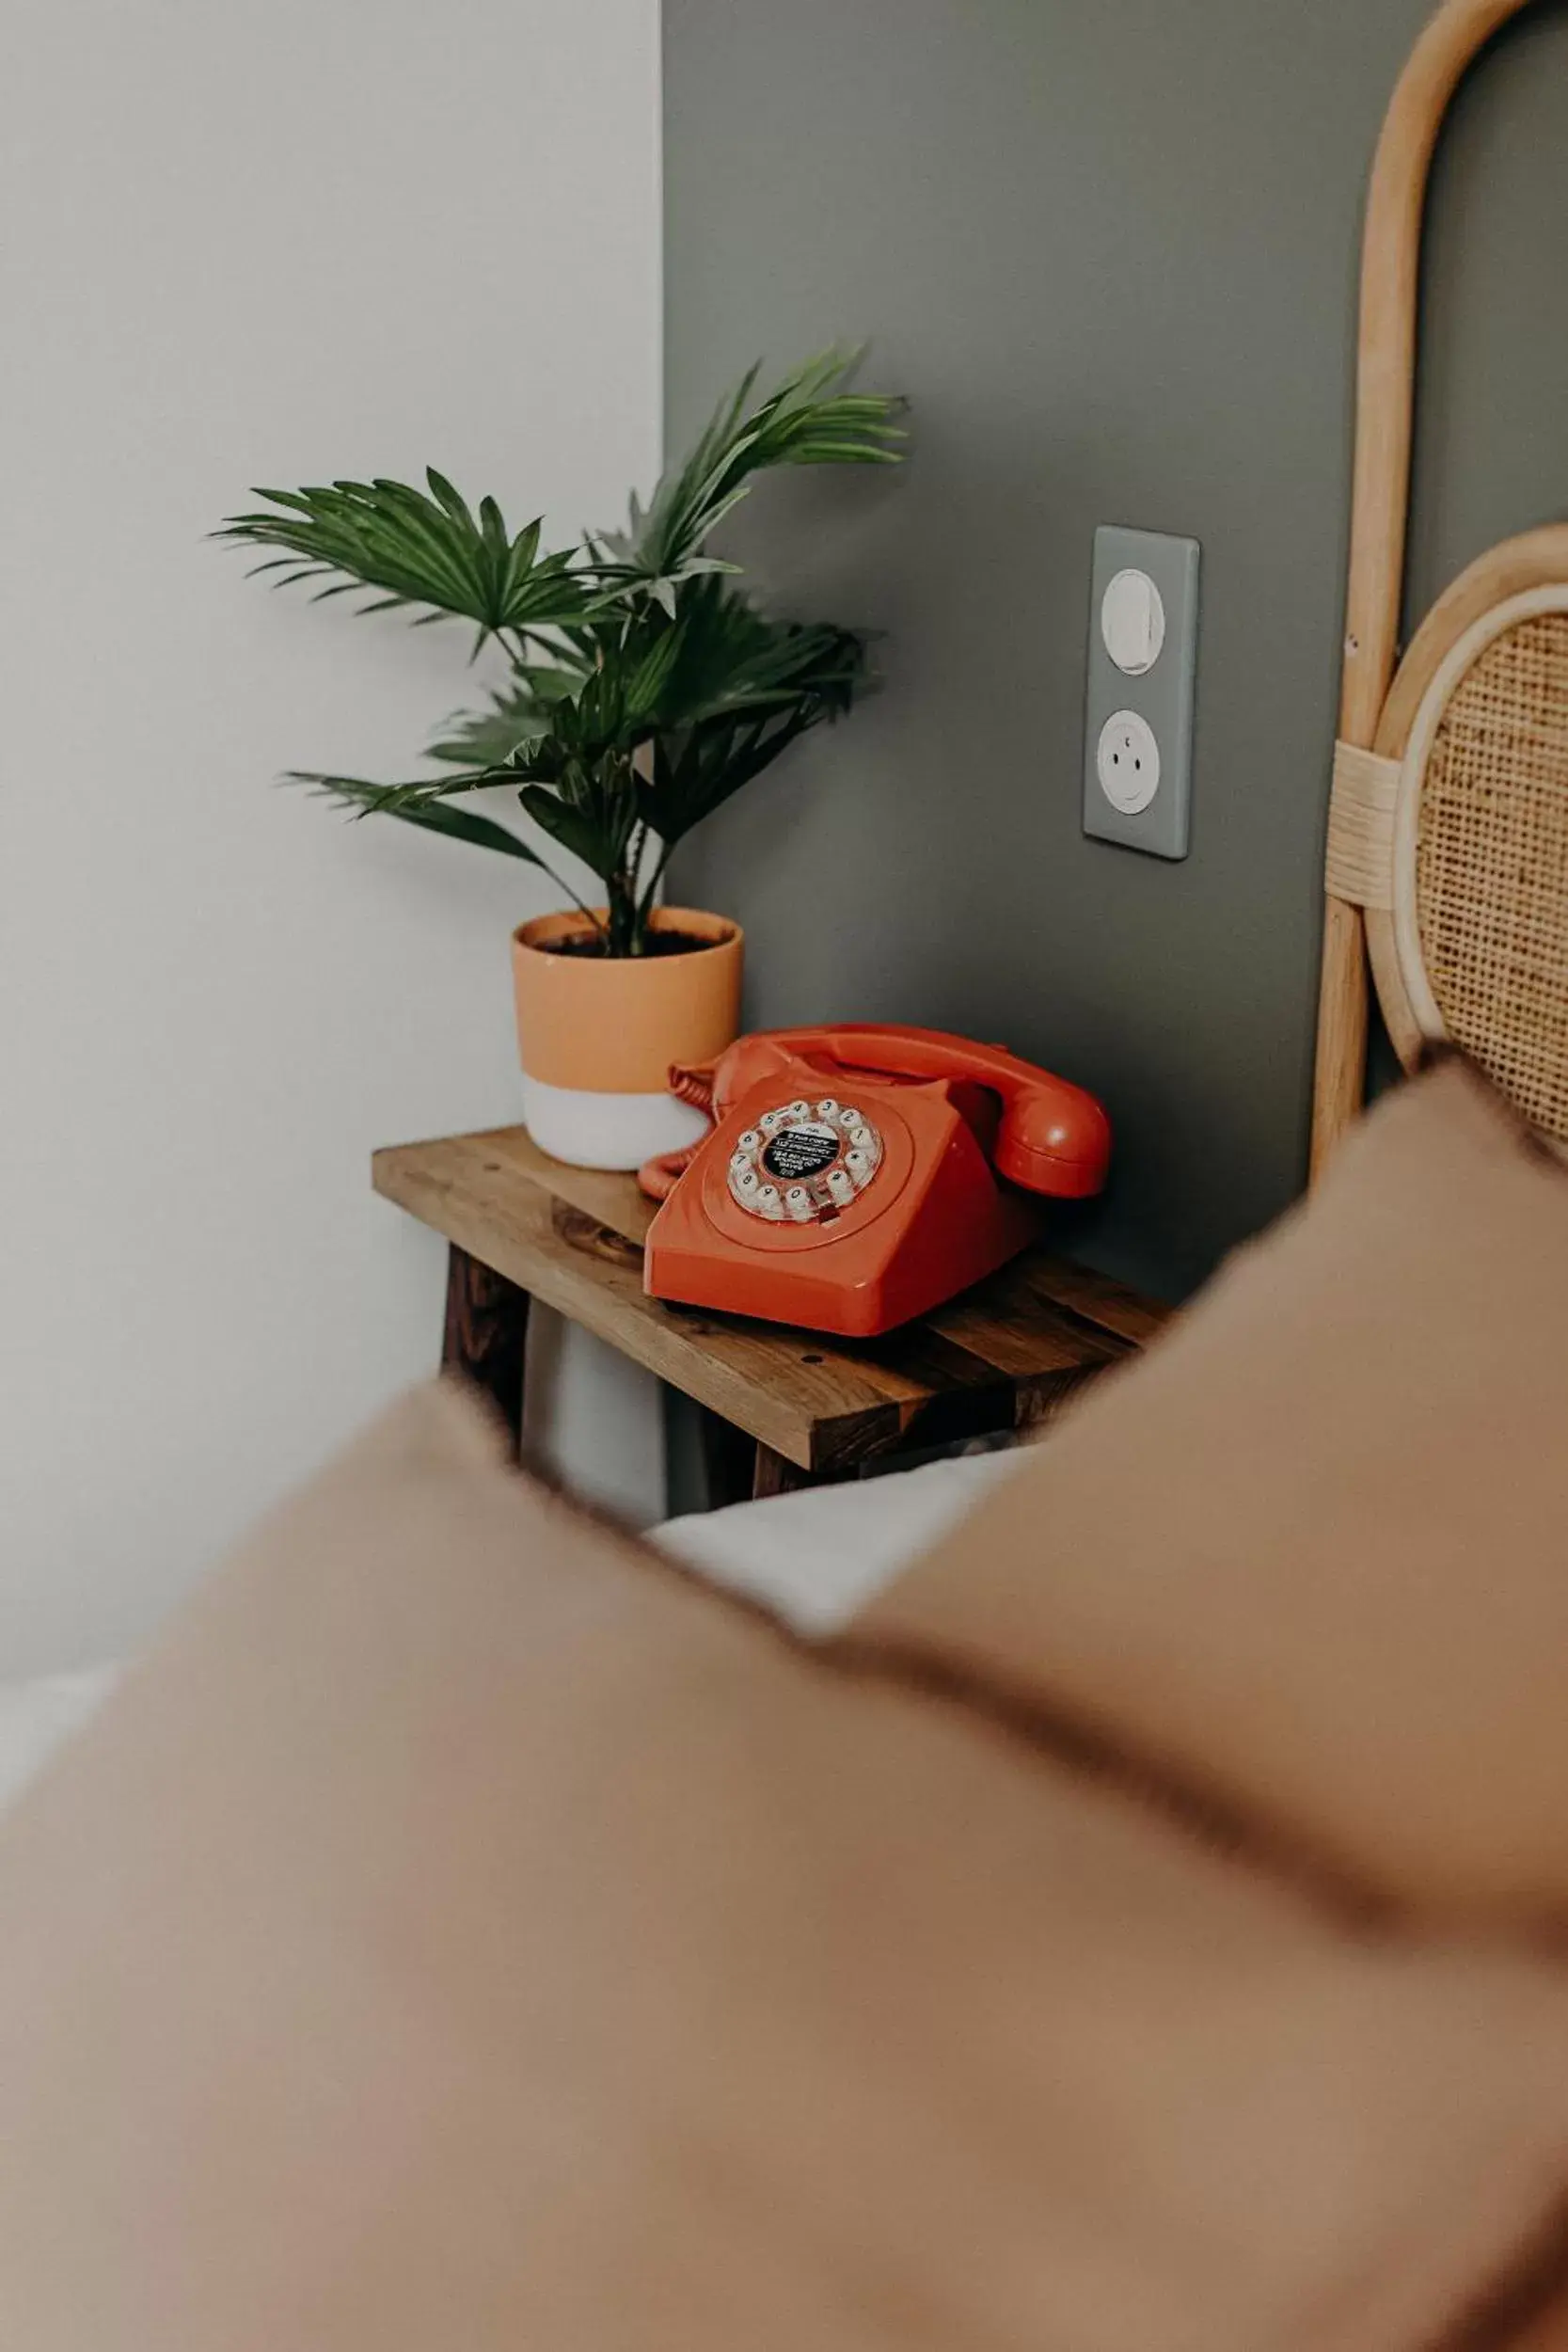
[658, 943]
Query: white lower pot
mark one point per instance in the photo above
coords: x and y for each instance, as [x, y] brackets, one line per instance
[593, 1129]
[597, 1035]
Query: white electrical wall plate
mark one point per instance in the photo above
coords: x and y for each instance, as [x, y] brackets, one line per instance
[1142, 669]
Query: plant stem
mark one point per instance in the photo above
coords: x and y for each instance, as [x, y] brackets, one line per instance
[635, 848]
[625, 931]
[571, 893]
[645, 903]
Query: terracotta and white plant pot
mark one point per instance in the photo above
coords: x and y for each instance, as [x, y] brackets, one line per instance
[597, 1034]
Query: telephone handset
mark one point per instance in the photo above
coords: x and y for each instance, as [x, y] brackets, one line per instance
[851, 1180]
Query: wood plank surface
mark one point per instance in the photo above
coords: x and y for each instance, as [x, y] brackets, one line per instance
[1099, 1299]
[500, 1152]
[1003, 1355]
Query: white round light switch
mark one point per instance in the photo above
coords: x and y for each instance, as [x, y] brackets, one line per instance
[1128, 762]
[1133, 622]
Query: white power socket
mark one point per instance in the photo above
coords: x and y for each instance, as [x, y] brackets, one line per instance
[1128, 760]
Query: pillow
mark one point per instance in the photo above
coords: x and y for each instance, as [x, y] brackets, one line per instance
[467, 1934]
[36, 1718]
[1310, 1556]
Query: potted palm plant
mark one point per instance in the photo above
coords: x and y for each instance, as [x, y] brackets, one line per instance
[646, 687]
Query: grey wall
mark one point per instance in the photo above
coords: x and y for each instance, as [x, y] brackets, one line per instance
[1110, 252]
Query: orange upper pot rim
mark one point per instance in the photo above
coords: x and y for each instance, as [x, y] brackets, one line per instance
[541, 932]
[614, 1025]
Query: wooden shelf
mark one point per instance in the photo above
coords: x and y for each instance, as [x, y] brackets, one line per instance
[1003, 1355]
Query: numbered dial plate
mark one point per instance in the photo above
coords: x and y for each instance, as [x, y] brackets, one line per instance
[804, 1160]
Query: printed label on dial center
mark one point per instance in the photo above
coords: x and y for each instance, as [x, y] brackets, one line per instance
[802, 1151]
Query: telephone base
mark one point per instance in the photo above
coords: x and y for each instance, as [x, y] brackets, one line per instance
[774, 1292]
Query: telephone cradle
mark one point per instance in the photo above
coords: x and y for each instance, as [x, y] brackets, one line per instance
[857, 1176]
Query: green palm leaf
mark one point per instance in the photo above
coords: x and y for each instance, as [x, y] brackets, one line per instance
[428, 552]
[808, 418]
[516, 719]
[430, 810]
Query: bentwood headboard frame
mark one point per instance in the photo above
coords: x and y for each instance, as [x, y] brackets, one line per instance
[1448, 855]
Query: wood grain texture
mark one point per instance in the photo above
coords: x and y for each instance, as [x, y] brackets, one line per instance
[1095, 1300]
[773, 1475]
[484, 1335]
[1384, 401]
[1390, 285]
[1339, 1070]
[1003, 1355]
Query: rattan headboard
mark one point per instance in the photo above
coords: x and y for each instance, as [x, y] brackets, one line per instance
[1448, 840]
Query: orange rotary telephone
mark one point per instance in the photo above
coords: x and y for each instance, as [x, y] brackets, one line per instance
[858, 1176]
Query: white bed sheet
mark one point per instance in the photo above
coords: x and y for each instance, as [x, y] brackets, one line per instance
[812, 1557]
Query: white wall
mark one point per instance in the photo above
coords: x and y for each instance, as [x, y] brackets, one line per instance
[263, 241]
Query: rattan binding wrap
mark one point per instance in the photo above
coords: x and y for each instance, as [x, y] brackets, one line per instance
[1359, 866]
[1491, 868]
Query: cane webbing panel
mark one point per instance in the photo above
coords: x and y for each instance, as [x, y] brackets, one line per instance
[1492, 865]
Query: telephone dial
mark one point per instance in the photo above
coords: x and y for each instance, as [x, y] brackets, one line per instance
[858, 1176]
